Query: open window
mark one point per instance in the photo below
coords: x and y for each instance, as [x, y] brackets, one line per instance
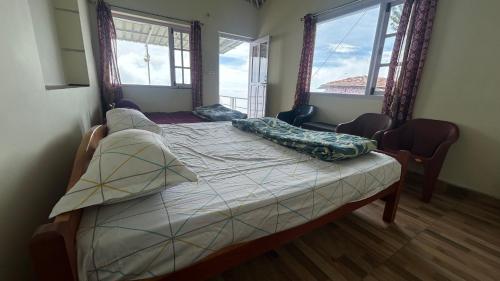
[353, 48]
[152, 52]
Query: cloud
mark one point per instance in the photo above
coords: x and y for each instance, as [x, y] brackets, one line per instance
[233, 72]
[133, 68]
[160, 65]
[350, 67]
[233, 80]
[342, 48]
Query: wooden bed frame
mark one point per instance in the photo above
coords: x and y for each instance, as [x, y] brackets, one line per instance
[53, 245]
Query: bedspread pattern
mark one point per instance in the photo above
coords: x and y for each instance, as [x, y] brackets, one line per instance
[249, 187]
[326, 146]
[218, 112]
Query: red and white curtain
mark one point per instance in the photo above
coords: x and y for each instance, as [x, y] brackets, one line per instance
[407, 61]
[196, 65]
[302, 93]
[109, 76]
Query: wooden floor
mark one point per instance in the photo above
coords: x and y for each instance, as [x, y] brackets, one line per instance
[455, 237]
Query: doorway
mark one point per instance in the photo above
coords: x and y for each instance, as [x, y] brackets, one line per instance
[234, 62]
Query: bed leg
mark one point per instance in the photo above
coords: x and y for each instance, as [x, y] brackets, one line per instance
[392, 200]
[391, 206]
[52, 253]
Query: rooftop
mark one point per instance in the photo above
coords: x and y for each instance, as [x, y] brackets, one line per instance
[358, 81]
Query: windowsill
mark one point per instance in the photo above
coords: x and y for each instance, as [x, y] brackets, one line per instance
[157, 86]
[61, 87]
[350, 96]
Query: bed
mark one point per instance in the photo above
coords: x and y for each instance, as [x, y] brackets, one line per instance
[174, 117]
[253, 195]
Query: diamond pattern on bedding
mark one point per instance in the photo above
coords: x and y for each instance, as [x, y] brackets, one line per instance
[249, 187]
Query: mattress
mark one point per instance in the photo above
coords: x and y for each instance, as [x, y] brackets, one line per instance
[249, 187]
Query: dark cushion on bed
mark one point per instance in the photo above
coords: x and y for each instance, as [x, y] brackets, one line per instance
[218, 112]
[124, 103]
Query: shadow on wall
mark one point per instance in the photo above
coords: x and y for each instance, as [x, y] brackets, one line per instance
[46, 176]
[479, 172]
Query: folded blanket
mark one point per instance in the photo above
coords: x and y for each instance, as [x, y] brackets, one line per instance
[218, 112]
[323, 145]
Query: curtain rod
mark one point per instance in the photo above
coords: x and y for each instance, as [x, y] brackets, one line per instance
[328, 10]
[143, 12]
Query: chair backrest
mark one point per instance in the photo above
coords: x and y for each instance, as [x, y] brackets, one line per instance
[423, 136]
[366, 125]
[303, 110]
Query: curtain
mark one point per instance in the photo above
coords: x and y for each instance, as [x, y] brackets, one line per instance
[196, 66]
[306, 60]
[408, 57]
[111, 90]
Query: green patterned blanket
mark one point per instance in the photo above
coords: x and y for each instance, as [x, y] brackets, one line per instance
[218, 112]
[323, 145]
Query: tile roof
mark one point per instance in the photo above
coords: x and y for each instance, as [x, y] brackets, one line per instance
[358, 81]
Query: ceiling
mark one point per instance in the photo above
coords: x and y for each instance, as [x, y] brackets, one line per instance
[152, 34]
[140, 32]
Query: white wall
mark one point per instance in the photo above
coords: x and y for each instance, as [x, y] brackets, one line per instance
[40, 133]
[231, 16]
[459, 82]
[158, 98]
[59, 41]
[47, 42]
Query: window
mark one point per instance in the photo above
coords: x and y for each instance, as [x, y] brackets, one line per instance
[146, 49]
[353, 48]
[182, 60]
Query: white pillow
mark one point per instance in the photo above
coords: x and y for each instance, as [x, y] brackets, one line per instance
[119, 119]
[128, 164]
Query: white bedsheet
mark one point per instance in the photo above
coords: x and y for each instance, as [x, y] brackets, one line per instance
[249, 187]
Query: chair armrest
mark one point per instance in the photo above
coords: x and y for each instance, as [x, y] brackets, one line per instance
[390, 139]
[344, 128]
[378, 137]
[441, 151]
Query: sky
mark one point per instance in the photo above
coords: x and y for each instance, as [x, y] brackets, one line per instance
[233, 71]
[133, 68]
[344, 47]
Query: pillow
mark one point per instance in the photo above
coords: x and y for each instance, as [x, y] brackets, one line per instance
[119, 119]
[126, 165]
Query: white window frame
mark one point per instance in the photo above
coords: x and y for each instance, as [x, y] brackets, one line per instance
[172, 27]
[172, 56]
[378, 44]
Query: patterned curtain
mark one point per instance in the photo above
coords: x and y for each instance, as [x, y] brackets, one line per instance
[407, 62]
[111, 90]
[306, 60]
[196, 67]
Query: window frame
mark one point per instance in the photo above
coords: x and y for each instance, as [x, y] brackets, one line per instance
[378, 44]
[172, 27]
[172, 50]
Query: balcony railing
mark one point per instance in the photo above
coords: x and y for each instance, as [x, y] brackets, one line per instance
[240, 104]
